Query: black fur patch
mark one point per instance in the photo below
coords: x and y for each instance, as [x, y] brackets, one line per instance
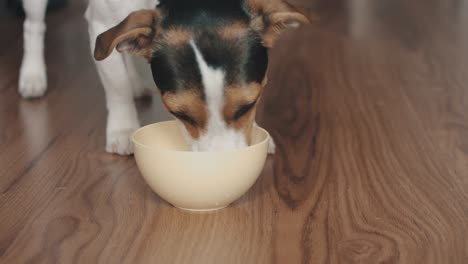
[243, 60]
[175, 69]
[201, 13]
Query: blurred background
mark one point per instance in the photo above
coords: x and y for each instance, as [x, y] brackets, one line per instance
[16, 6]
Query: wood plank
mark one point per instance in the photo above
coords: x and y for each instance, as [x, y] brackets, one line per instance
[369, 110]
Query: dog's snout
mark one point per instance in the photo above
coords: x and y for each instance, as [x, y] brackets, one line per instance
[221, 142]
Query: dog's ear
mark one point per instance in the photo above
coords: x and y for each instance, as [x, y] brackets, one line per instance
[272, 17]
[134, 34]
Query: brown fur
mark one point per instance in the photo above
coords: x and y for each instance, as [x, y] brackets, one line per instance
[236, 97]
[138, 33]
[177, 36]
[271, 17]
[234, 31]
[260, 7]
[191, 103]
[135, 34]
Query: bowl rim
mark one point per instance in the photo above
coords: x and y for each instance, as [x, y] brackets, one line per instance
[136, 142]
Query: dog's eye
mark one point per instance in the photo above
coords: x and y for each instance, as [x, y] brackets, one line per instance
[184, 117]
[243, 110]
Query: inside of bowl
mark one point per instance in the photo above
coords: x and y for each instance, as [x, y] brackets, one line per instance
[163, 135]
[258, 136]
[168, 135]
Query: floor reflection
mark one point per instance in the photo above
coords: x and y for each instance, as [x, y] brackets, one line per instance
[360, 17]
[34, 117]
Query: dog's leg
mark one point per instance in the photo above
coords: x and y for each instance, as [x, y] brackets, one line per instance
[271, 146]
[33, 80]
[122, 119]
[140, 76]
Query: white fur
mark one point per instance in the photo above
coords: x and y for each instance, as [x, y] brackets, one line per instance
[140, 76]
[120, 77]
[271, 146]
[118, 73]
[33, 80]
[217, 136]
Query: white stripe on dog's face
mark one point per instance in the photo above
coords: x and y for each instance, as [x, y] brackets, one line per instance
[216, 135]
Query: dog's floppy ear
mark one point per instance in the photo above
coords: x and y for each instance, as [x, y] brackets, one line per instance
[272, 17]
[134, 34]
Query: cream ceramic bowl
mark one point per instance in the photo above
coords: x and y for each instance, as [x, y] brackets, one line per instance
[196, 181]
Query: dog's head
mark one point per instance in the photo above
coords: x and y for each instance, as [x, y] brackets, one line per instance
[209, 60]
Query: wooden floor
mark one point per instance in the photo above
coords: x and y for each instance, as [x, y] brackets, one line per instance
[369, 110]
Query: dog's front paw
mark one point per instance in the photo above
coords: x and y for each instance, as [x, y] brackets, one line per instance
[271, 146]
[32, 80]
[120, 142]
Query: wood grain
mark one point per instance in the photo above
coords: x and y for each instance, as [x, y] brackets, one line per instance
[369, 110]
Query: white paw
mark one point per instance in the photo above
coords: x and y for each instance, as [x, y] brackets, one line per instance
[271, 146]
[32, 80]
[141, 92]
[120, 142]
